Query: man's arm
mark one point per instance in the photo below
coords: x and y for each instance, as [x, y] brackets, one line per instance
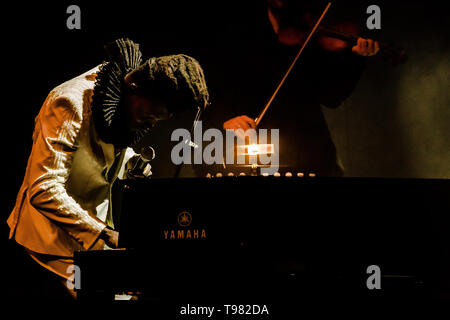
[54, 143]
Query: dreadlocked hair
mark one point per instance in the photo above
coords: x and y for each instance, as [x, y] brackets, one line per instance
[123, 56]
[177, 79]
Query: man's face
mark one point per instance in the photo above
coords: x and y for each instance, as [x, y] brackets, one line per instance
[144, 113]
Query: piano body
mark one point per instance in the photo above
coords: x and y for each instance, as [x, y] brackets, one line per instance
[269, 238]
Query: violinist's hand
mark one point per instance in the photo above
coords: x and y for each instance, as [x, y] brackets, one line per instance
[366, 47]
[241, 122]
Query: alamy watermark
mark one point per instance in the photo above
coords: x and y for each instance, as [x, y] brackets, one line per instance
[374, 20]
[259, 147]
[374, 280]
[74, 20]
[74, 280]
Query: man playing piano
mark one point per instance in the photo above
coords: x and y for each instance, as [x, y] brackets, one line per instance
[81, 141]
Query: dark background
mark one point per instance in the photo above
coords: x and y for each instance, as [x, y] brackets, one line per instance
[395, 124]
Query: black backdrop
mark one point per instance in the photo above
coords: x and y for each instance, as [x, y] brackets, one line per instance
[39, 52]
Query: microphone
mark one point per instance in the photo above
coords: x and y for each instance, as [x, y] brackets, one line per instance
[188, 142]
[142, 168]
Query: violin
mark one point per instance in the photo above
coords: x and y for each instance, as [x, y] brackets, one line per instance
[328, 38]
[293, 24]
[388, 51]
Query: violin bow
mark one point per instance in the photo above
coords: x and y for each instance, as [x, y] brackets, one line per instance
[316, 26]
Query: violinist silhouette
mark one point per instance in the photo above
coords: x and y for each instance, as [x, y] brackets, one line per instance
[325, 75]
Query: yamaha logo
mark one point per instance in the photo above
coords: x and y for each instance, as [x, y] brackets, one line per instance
[184, 219]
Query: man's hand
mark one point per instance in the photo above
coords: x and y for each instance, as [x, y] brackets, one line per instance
[366, 47]
[110, 237]
[241, 122]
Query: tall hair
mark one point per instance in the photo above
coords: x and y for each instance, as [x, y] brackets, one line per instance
[177, 78]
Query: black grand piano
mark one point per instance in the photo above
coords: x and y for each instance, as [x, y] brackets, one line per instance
[265, 239]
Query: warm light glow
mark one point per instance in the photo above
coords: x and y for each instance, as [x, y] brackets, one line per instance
[252, 149]
[255, 149]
